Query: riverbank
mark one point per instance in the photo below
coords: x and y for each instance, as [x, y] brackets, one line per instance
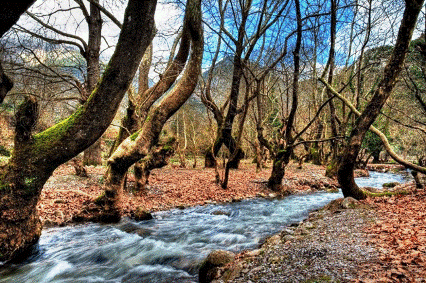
[380, 239]
[65, 194]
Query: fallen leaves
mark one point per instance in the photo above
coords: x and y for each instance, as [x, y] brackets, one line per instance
[400, 236]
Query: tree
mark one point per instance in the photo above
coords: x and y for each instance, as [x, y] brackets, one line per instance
[244, 42]
[282, 150]
[141, 102]
[35, 157]
[141, 143]
[346, 164]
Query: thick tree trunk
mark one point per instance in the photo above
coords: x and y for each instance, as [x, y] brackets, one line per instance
[345, 172]
[35, 157]
[280, 161]
[6, 84]
[10, 12]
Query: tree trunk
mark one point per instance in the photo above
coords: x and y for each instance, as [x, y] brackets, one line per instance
[345, 172]
[93, 155]
[280, 162]
[35, 157]
[224, 137]
[139, 145]
[285, 151]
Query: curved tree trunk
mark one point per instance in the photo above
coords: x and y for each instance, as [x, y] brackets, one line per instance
[345, 172]
[139, 105]
[35, 157]
[139, 145]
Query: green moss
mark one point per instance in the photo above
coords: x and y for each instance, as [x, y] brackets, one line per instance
[387, 194]
[4, 160]
[4, 186]
[134, 136]
[100, 199]
[30, 181]
[47, 138]
[390, 184]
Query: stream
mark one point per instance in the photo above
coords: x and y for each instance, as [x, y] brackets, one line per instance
[169, 247]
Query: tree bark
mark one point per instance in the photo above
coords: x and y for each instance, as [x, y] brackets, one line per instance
[6, 84]
[35, 157]
[345, 172]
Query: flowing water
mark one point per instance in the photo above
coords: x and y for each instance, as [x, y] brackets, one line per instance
[168, 248]
[377, 179]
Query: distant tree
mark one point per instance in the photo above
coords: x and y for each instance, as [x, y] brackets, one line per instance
[243, 42]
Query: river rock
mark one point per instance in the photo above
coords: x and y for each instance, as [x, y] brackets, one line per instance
[140, 214]
[221, 212]
[287, 231]
[349, 202]
[210, 266]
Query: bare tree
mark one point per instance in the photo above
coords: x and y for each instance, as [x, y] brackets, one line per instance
[243, 45]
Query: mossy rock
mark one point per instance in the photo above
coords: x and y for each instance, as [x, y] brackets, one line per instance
[391, 184]
[141, 214]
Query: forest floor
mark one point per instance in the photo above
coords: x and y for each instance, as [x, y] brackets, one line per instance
[65, 194]
[381, 240]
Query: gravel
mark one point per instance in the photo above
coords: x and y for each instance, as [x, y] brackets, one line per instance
[327, 247]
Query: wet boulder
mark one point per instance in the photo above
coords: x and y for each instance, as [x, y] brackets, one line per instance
[210, 267]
